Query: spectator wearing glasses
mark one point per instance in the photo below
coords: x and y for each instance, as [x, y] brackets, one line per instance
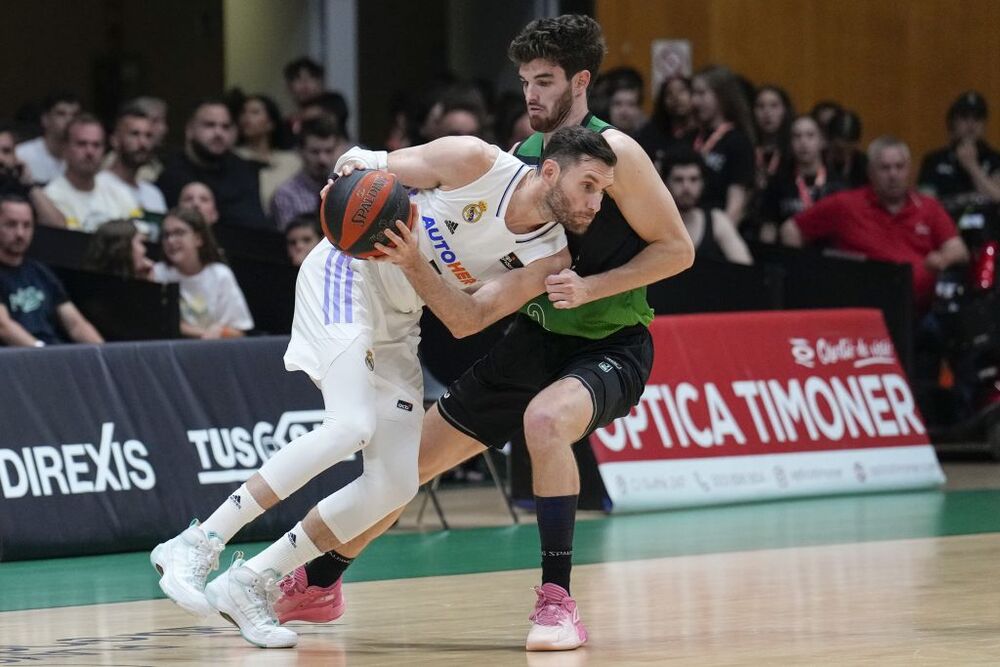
[212, 303]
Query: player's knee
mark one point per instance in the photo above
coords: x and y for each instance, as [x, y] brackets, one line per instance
[545, 427]
[354, 427]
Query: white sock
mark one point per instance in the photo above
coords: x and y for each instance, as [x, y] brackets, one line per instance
[239, 509]
[292, 549]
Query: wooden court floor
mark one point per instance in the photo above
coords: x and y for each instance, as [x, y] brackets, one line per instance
[893, 579]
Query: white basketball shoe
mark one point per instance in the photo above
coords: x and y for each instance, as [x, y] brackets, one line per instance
[246, 599]
[184, 563]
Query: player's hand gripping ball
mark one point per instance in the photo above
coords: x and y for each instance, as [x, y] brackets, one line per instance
[359, 207]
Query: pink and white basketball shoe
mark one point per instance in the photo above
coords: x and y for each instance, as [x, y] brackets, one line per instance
[556, 621]
[314, 604]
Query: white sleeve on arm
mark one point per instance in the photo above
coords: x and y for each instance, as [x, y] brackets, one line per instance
[543, 242]
[371, 159]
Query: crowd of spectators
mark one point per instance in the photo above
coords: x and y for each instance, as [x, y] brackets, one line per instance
[785, 178]
[745, 169]
[782, 177]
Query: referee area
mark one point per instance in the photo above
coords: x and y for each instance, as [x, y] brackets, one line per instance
[889, 579]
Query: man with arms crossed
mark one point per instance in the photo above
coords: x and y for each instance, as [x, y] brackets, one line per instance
[586, 336]
[489, 225]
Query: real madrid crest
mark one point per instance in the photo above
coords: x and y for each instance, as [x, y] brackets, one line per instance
[370, 360]
[474, 211]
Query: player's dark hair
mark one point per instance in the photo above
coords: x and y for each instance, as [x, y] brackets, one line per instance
[571, 41]
[568, 145]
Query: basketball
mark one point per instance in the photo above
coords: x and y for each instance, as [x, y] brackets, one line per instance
[358, 208]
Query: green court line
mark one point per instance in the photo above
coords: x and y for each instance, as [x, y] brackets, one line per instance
[791, 523]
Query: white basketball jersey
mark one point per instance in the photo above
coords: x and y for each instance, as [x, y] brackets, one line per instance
[461, 232]
[463, 235]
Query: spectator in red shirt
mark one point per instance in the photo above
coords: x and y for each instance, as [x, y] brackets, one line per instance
[886, 220]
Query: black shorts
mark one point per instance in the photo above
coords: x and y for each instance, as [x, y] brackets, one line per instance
[488, 401]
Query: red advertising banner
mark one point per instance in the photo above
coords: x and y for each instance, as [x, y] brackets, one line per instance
[755, 405]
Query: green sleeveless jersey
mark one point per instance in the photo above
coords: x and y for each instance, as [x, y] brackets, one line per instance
[608, 243]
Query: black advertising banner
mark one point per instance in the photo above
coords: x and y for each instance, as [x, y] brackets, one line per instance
[117, 447]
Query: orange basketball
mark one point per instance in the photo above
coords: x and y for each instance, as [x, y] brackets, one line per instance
[358, 208]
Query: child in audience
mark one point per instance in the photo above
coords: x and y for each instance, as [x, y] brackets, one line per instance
[212, 304]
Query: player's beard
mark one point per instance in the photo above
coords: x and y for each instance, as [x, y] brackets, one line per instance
[560, 111]
[558, 204]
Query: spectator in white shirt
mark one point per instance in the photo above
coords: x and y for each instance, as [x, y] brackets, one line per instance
[132, 141]
[44, 155]
[212, 304]
[16, 178]
[86, 197]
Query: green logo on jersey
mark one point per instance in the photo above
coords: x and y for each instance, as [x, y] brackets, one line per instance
[535, 312]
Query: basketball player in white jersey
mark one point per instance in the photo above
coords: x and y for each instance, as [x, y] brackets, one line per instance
[485, 226]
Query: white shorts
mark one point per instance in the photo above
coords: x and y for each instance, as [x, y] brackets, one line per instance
[339, 299]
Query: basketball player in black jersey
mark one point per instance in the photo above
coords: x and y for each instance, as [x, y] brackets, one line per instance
[586, 336]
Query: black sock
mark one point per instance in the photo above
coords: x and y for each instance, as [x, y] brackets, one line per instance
[326, 569]
[556, 519]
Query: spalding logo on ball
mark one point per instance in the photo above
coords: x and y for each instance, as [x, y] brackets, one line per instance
[358, 208]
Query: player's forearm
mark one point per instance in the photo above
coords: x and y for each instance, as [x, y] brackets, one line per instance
[657, 261]
[458, 311]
